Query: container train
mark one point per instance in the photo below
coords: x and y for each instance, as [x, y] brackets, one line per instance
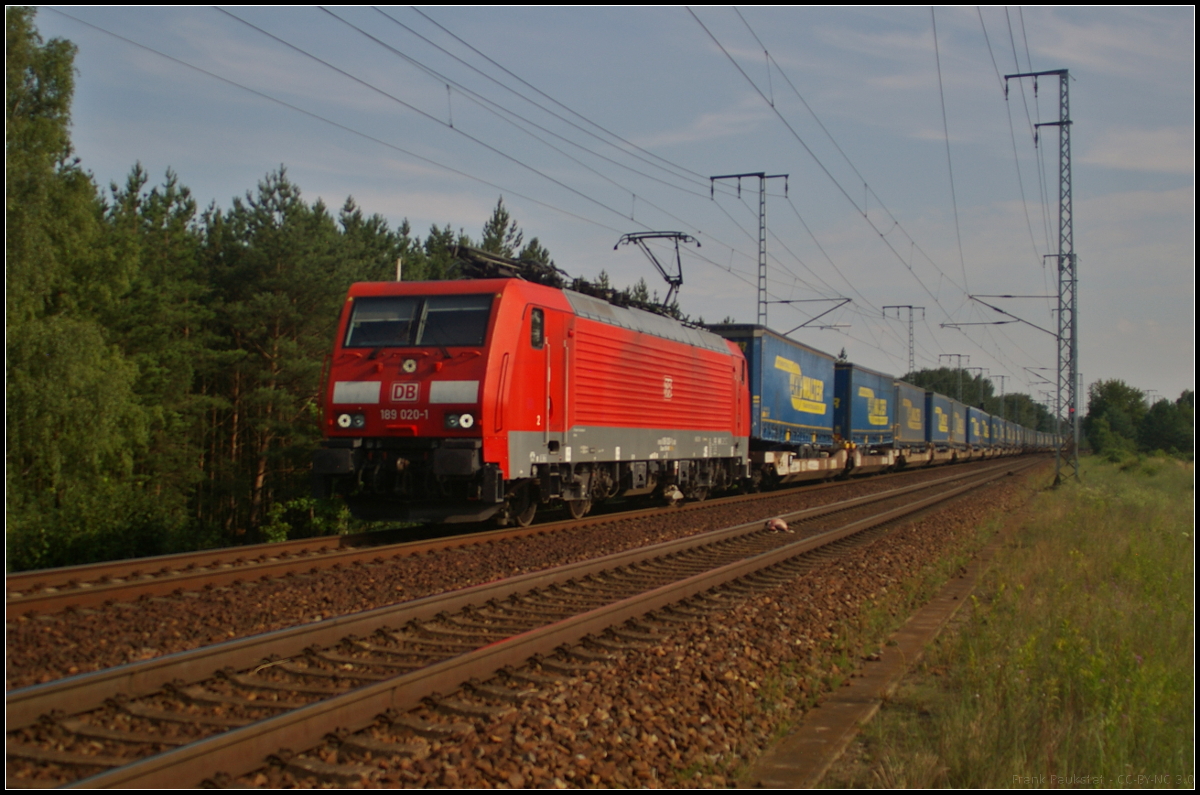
[461, 401]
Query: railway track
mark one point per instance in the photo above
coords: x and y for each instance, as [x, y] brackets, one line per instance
[178, 719]
[94, 585]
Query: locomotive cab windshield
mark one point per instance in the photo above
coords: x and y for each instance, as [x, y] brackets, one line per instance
[415, 321]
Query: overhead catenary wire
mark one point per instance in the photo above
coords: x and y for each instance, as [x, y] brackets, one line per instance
[696, 192]
[824, 169]
[1047, 224]
[701, 178]
[506, 115]
[436, 120]
[937, 55]
[346, 128]
[338, 125]
[869, 192]
[429, 116]
[1013, 136]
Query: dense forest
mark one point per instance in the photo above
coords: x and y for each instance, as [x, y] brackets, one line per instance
[164, 359]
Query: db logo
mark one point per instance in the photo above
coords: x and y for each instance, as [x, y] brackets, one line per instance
[406, 392]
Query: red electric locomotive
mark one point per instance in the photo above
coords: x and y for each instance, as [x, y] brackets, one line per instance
[464, 400]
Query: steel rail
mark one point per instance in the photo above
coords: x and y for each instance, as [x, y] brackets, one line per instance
[90, 690]
[89, 585]
[240, 751]
[239, 566]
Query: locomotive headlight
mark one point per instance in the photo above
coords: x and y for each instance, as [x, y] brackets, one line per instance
[460, 422]
[358, 421]
[409, 365]
[344, 420]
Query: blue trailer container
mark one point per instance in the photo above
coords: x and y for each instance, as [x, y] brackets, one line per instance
[958, 424]
[979, 428]
[909, 430]
[791, 389]
[863, 409]
[938, 420]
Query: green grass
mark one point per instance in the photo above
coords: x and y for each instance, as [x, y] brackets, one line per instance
[1075, 665]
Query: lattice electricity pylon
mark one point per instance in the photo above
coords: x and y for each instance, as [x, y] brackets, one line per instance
[762, 228]
[911, 360]
[1066, 457]
[674, 280]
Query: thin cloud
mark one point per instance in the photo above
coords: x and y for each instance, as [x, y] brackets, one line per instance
[1170, 150]
[1119, 49]
[740, 120]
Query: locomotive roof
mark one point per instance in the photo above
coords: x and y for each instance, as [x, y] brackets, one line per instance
[645, 322]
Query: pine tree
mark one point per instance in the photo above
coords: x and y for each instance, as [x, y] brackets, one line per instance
[501, 235]
[277, 268]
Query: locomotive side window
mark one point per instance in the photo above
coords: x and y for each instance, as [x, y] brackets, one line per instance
[407, 321]
[537, 329]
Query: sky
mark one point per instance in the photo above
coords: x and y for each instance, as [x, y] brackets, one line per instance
[910, 179]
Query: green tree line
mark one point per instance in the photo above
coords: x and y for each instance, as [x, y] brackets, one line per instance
[164, 361]
[1120, 421]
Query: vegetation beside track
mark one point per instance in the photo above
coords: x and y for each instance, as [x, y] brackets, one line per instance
[837, 618]
[1074, 665]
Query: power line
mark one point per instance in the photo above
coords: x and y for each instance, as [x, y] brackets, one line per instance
[861, 209]
[949, 164]
[336, 124]
[446, 124]
[834, 180]
[541, 107]
[1013, 136]
[426, 115]
[700, 178]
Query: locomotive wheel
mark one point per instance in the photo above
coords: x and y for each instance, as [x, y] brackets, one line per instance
[519, 509]
[578, 508]
[525, 509]
[700, 494]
